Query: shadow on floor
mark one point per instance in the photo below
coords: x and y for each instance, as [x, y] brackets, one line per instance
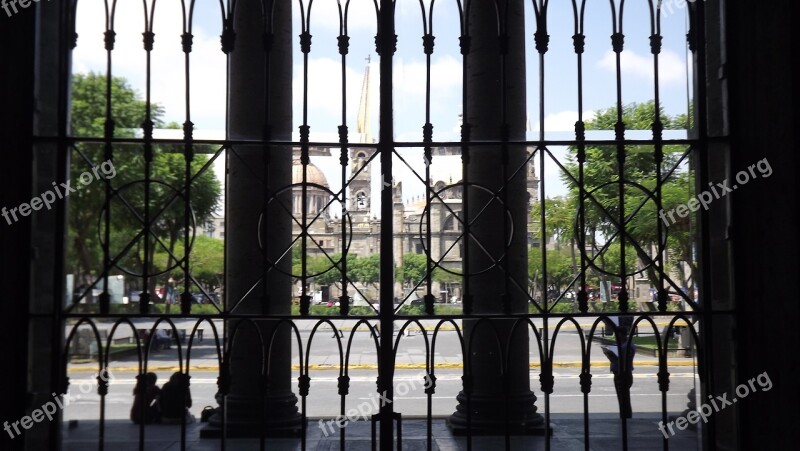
[568, 435]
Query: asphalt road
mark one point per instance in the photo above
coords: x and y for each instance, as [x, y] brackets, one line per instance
[324, 358]
[324, 401]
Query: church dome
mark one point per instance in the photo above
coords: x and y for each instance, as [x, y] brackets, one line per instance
[314, 174]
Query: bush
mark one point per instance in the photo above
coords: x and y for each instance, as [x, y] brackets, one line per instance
[133, 308]
[175, 309]
[412, 310]
[564, 306]
[324, 310]
[448, 310]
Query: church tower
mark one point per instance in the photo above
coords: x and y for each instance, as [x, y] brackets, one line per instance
[360, 186]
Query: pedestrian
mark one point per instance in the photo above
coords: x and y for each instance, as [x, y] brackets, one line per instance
[622, 368]
[145, 408]
[176, 399]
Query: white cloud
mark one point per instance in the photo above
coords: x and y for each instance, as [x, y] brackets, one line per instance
[563, 121]
[361, 15]
[208, 65]
[409, 77]
[409, 96]
[671, 67]
[207, 62]
[325, 89]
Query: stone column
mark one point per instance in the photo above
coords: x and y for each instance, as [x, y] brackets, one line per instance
[489, 292]
[251, 407]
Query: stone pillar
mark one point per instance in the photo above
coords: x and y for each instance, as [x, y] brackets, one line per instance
[489, 292]
[251, 407]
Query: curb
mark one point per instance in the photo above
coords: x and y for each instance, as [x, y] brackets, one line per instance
[399, 366]
[565, 326]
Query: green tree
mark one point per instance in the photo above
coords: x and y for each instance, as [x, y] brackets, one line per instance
[167, 173]
[445, 277]
[206, 261]
[447, 280]
[327, 270]
[560, 223]
[413, 269]
[601, 175]
[88, 120]
[560, 271]
[366, 270]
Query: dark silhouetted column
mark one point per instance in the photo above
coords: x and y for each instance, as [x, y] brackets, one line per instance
[489, 291]
[251, 406]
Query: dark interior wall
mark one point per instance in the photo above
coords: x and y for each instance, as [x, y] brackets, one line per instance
[764, 230]
[16, 183]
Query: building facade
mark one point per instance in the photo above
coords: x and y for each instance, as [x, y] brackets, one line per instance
[411, 215]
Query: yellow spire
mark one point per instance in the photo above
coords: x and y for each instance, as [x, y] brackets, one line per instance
[362, 127]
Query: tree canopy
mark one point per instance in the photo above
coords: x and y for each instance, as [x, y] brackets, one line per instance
[601, 196]
[601, 168]
[413, 269]
[167, 172]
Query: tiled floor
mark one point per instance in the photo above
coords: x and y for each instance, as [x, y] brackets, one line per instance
[568, 435]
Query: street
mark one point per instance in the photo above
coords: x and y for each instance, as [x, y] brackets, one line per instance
[410, 398]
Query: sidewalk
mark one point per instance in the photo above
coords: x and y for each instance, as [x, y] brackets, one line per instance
[568, 433]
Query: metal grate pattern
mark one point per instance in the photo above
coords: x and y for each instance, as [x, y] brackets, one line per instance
[478, 254]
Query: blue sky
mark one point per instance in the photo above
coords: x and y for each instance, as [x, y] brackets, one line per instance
[208, 68]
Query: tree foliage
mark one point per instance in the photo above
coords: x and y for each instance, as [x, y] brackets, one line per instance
[323, 270]
[442, 276]
[413, 269]
[559, 270]
[601, 172]
[366, 270]
[327, 273]
[127, 192]
[206, 260]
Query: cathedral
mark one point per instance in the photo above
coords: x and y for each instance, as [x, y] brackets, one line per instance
[361, 234]
[327, 217]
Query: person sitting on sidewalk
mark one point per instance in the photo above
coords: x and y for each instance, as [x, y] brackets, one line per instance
[176, 400]
[145, 407]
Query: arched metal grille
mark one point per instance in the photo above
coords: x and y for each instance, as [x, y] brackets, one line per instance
[288, 214]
